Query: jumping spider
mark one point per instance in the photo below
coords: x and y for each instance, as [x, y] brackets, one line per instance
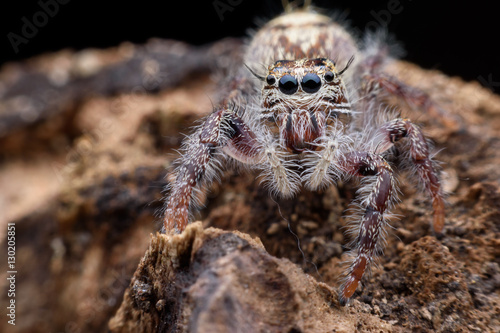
[316, 115]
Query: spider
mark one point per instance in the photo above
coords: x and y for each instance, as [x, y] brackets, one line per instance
[308, 108]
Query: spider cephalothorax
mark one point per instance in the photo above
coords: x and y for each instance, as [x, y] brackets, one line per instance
[287, 125]
[301, 95]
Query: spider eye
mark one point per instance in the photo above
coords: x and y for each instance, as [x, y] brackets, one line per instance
[311, 83]
[329, 76]
[270, 79]
[288, 84]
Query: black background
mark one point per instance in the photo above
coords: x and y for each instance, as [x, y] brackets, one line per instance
[458, 39]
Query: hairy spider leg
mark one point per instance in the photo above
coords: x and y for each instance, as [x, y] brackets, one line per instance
[412, 96]
[222, 128]
[421, 160]
[378, 201]
[374, 79]
[383, 192]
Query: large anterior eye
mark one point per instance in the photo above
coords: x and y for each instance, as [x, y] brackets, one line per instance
[288, 84]
[311, 83]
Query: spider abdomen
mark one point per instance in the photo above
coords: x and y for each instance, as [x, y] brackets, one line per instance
[298, 35]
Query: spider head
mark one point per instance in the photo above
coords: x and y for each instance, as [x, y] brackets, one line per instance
[300, 95]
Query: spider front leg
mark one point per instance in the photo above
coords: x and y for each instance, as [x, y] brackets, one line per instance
[223, 128]
[378, 200]
[420, 158]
